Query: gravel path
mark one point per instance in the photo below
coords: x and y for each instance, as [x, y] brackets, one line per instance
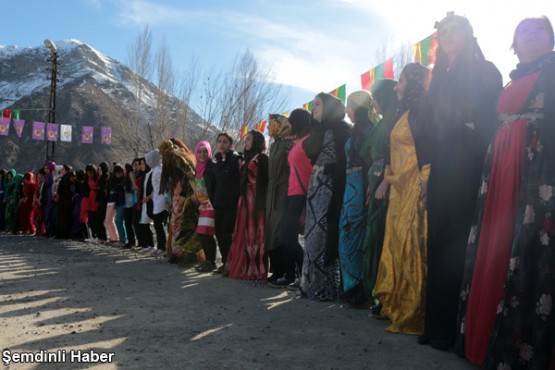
[68, 296]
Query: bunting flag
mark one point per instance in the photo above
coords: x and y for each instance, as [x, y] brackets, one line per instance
[87, 135]
[38, 130]
[4, 126]
[243, 131]
[52, 131]
[384, 70]
[261, 126]
[425, 50]
[65, 133]
[16, 114]
[106, 135]
[7, 113]
[18, 124]
[340, 93]
[308, 106]
[286, 114]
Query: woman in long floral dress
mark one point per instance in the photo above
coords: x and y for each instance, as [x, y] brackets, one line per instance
[506, 318]
[247, 256]
[326, 150]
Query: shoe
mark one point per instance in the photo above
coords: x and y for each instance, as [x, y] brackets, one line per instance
[282, 282]
[441, 344]
[207, 266]
[376, 309]
[220, 270]
[128, 246]
[147, 250]
[273, 278]
[294, 285]
[91, 240]
[423, 339]
[156, 252]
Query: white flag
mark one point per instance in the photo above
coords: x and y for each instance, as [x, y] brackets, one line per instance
[65, 134]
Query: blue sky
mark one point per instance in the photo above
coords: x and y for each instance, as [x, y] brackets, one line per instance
[311, 45]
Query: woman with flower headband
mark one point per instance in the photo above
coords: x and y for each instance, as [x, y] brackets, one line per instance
[400, 283]
[278, 176]
[506, 317]
[463, 92]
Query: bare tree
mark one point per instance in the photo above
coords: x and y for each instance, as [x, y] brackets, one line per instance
[244, 95]
[186, 86]
[140, 62]
[163, 122]
[401, 54]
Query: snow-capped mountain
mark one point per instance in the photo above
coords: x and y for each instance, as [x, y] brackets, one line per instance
[92, 90]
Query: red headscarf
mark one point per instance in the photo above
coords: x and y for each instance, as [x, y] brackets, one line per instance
[201, 166]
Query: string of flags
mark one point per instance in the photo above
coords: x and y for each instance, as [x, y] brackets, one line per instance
[50, 131]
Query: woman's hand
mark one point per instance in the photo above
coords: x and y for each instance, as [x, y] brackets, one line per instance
[381, 191]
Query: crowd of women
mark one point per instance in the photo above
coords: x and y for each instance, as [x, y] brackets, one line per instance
[434, 208]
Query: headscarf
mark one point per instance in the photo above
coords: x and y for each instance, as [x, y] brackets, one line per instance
[333, 111]
[201, 166]
[51, 165]
[363, 99]
[152, 158]
[383, 91]
[279, 126]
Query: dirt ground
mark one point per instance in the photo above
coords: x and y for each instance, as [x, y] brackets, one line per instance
[70, 296]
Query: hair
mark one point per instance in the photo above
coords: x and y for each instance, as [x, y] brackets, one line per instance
[67, 167]
[301, 122]
[41, 171]
[258, 145]
[27, 176]
[127, 182]
[414, 96]
[135, 160]
[226, 135]
[469, 54]
[81, 176]
[541, 17]
[118, 168]
[91, 168]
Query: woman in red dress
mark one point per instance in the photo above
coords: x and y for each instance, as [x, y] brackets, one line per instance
[247, 258]
[506, 319]
[26, 204]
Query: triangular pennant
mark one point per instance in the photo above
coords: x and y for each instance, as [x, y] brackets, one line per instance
[308, 106]
[18, 124]
[340, 93]
[243, 131]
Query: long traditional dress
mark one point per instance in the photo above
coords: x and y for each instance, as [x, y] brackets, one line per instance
[377, 209]
[320, 278]
[352, 227]
[278, 175]
[247, 258]
[506, 318]
[26, 209]
[13, 191]
[464, 123]
[400, 284]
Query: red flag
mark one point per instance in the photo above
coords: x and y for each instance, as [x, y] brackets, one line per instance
[7, 113]
[262, 126]
[388, 68]
[366, 81]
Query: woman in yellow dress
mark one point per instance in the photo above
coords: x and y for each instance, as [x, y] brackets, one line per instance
[400, 285]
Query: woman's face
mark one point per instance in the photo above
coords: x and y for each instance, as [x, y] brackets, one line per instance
[119, 174]
[401, 86]
[136, 166]
[532, 40]
[223, 144]
[46, 170]
[350, 111]
[63, 171]
[143, 166]
[202, 154]
[317, 108]
[248, 141]
[39, 177]
[9, 176]
[451, 38]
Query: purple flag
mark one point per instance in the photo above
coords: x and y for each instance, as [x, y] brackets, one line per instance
[18, 124]
[106, 134]
[87, 136]
[52, 131]
[4, 126]
[38, 130]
